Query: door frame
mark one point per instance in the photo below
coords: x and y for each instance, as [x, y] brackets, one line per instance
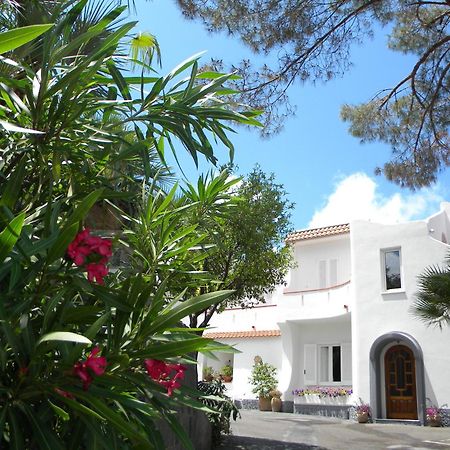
[377, 379]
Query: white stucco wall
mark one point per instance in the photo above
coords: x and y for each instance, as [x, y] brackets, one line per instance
[329, 331]
[358, 312]
[269, 348]
[376, 313]
[439, 224]
[309, 253]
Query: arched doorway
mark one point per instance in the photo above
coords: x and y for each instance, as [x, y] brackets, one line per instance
[400, 382]
[397, 378]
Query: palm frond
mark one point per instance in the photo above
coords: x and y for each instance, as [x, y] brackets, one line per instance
[432, 301]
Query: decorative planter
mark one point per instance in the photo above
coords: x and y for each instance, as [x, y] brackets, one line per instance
[362, 417]
[276, 404]
[227, 378]
[208, 378]
[264, 404]
[315, 399]
[434, 421]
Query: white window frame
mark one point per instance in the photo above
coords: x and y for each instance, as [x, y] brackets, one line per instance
[330, 381]
[325, 272]
[384, 251]
[311, 366]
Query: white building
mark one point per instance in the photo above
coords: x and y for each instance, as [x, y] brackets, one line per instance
[344, 320]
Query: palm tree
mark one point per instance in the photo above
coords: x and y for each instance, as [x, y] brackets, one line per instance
[432, 303]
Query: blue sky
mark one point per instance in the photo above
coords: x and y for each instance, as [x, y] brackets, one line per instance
[327, 173]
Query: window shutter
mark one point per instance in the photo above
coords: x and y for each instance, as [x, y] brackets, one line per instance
[346, 361]
[322, 274]
[310, 364]
[333, 272]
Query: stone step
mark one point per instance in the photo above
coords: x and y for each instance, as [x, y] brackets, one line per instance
[398, 421]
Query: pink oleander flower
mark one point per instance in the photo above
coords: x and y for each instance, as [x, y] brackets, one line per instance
[160, 372]
[92, 253]
[96, 272]
[93, 364]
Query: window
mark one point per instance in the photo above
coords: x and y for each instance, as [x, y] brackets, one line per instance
[330, 364]
[327, 364]
[328, 273]
[392, 272]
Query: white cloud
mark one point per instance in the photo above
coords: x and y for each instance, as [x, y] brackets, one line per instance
[357, 197]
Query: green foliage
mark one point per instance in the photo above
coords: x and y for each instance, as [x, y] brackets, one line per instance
[76, 139]
[313, 41]
[263, 378]
[208, 371]
[248, 232]
[10, 40]
[224, 409]
[432, 302]
[227, 370]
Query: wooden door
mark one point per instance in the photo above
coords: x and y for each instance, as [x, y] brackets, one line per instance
[400, 373]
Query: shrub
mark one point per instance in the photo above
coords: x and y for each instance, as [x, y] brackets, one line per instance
[263, 378]
[224, 408]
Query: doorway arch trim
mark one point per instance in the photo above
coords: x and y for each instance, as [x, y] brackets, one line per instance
[376, 371]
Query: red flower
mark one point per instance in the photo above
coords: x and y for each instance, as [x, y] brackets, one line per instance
[170, 385]
[93, 363]
[160, 372]
[96, 271]
[156, 369]
[92, 252]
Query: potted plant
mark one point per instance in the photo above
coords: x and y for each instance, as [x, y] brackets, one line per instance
[208, 373]
[363, 411]
[275, 401]
[434, 414]
[227, 373]
[263, 378]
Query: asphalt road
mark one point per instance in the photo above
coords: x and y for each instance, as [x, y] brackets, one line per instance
[258, 430]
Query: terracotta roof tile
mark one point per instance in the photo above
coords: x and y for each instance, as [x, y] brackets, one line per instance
[242, 334]
[314, 233]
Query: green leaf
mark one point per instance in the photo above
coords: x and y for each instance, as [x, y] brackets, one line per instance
[64, 336]
[159, 350]
[114, 418]
[184, 309]
[96, 326]
[16, 129]
[66, 236]
[9, 40]
[47, 438]
[16, 441]
[83, 208]
[10, 235]
[13, 186]
[60, 412]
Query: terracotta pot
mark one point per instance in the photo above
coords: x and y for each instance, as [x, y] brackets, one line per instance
[264, 404]
[227, 378]
[276, 404]
[208, 378]
[362, 417]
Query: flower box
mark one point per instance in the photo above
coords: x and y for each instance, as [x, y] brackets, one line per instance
[323, 396]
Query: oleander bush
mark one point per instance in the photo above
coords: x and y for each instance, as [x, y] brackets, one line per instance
[92, 356]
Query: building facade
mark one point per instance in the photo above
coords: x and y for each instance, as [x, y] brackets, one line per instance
[342, 329]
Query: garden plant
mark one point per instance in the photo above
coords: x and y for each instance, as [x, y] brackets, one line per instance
[92, 354]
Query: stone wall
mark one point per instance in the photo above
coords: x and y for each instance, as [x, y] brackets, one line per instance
[196, 425]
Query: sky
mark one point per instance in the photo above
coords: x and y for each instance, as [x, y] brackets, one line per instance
[327, 173]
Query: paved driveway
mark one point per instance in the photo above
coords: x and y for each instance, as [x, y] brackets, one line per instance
[282, 431]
